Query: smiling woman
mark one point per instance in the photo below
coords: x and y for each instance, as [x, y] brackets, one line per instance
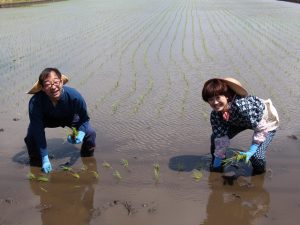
[15, 3]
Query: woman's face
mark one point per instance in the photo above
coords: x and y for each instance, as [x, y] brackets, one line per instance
[218, 103]
[52, 86]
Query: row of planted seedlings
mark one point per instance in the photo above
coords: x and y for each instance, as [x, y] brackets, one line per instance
[275, 75]
[222, 44]
[232, 45]
[114, 32]
[134, 35]
[21, 87]
[165, 65]
[177, 66]
[204, 45]
[196, 174]
[268, 37]
[65, 42]
[251, 52]
[154, 22]
[156, 32]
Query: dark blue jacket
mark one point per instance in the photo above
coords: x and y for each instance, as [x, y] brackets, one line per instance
[42, 113]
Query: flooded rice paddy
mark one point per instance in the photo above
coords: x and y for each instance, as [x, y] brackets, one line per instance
[141, 66]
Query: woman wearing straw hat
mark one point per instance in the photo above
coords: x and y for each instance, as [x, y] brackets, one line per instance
[233, 112]
[56, 105]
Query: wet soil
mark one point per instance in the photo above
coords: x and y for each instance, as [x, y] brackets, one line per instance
[140, 65]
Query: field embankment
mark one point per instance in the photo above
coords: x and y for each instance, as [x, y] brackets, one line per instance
[15, 3]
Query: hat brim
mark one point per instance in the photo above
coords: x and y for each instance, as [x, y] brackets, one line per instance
[236, 86]
[38, 87]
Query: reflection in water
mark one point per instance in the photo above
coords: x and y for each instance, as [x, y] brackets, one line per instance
[236, 204]
[66, 199]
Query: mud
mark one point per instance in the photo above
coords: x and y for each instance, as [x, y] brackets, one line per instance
[141, 65]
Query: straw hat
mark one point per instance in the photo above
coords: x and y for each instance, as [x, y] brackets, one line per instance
[235, 85]
[38, 87]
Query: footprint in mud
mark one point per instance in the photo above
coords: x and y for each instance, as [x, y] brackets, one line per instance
[125, 204]
[129, 207]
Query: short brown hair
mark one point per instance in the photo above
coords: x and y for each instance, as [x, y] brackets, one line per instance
[44, 74]
[215, 87]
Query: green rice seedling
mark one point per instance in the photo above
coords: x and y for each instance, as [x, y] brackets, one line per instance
[117, 175]
[74, 133]
[95, 174]
[237, 157]
[156, 171]
[115, 107]
[66, 168]
[117, 84]
[197, 175]
[43, 179]
[76, 175]
[125, 163]
[106, 165]
[31, 176]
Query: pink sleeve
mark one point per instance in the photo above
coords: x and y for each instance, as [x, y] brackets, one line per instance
[260, 132]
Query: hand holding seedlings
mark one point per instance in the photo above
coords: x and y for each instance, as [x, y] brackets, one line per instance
[76, 137]
[237, 157]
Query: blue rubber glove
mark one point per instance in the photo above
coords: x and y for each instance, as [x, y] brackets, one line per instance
[46, 165]
[253, 148]
[79, 138]
[217, 162]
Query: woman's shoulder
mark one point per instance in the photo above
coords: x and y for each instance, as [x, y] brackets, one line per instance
[248, 103]
[250, 99]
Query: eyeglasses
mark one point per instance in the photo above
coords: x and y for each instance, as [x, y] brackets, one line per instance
[49, 84]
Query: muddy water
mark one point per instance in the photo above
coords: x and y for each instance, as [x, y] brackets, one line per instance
[140, 66]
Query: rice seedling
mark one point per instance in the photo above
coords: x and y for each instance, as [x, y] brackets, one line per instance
[117, 175]
[74, 133]
[114, 107]
[237, 157]
[156, 171]
[43, 179]
[125, 163]
[95, 174]
[197, 175]
[76, 175]
[106, 165]
[117, 84]
[66, 168]
[31, 176]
